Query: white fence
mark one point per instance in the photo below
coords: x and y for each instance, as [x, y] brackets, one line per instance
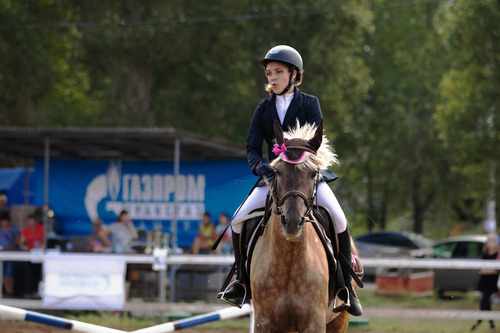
[215, 260]
[208, 259]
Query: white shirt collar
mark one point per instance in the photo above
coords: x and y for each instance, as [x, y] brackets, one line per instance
[282, 104]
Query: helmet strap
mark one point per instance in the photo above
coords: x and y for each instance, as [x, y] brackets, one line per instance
[290, 83]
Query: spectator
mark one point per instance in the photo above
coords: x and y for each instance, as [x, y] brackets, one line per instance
[98, 240]
[32, 235]
[123, 233]
[32, 238]
[488, 279]
[9, 241]
[206, 235]
[3, 205]
[226, 245]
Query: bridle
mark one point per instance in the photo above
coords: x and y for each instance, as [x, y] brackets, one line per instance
[278, 200]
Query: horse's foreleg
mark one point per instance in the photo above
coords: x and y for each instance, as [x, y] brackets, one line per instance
[261, 324]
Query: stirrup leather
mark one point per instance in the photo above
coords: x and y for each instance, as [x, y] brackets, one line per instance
[345, 304]
[234, 303]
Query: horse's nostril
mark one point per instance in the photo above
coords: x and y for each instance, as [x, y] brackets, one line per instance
[283, 221]
[302, 221]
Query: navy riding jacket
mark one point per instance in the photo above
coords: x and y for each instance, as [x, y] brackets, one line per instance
[303, 107]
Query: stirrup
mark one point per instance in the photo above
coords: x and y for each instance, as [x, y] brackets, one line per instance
[234, 303]
[345, 304]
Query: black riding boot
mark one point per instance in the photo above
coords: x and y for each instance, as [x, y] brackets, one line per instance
[345, 250]
[236, 291]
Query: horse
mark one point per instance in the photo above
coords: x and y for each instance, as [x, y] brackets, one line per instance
[289, 271]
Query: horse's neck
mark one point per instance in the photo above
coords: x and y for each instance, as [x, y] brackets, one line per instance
[280, 247]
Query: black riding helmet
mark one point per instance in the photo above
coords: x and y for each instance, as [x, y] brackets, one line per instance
[288, 55]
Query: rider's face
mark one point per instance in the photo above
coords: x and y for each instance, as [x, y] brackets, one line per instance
[278, 76]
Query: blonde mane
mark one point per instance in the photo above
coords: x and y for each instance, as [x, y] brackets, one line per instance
[325, 156]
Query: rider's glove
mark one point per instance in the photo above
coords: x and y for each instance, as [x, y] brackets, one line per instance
[265, 170]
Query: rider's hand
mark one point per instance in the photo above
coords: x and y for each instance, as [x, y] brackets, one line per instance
[265, 170]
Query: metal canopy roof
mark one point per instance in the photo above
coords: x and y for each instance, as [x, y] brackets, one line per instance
[114, 143]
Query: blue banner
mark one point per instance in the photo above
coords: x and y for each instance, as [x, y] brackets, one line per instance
[81, 191]
[13, 184]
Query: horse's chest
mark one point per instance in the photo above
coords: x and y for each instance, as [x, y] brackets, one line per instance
[283, 277]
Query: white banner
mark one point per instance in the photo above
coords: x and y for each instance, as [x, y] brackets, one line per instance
[80, 281]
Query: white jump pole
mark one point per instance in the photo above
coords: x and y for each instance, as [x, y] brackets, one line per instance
[73, 325]
[252, 319]
[223, 314]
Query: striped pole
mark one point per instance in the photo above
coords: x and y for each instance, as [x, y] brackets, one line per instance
[73, 325]
[177, 325]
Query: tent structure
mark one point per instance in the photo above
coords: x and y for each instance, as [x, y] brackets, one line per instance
[149, 144]
[114, 143]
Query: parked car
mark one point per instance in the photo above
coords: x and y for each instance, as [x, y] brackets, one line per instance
[459, 247]
[388, 243]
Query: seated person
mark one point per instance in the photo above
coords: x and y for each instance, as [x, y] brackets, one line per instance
[123, 233]
[3, 204]
[32, 238]
[9, 241]
[98, 240]
[32, 235]
[226, 245]
[206, 235]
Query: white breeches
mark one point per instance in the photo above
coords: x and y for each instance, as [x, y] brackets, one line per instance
[326, 198]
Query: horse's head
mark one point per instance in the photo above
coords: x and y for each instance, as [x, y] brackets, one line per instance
[302, 153]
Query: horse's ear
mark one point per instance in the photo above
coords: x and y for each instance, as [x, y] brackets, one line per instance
[315, 142]
[278, 132]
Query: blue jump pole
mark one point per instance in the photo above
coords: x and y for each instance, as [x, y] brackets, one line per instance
[177, 325]
[73, 325]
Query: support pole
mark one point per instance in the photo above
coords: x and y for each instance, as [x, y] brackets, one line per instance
[490, 221]
[172, 281]
[173, 227]
[162, 282]
[26, 186]
[46, 191]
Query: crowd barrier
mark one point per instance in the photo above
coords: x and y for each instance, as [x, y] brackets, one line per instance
[78, 326]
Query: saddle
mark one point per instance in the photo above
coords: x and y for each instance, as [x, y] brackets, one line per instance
[321, 221]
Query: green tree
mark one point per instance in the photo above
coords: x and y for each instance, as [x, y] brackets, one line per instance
[404, 164]
[32, 60]
[195, 64]
[468, 112]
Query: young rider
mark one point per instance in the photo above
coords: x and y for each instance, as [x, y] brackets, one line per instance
[284, 69]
